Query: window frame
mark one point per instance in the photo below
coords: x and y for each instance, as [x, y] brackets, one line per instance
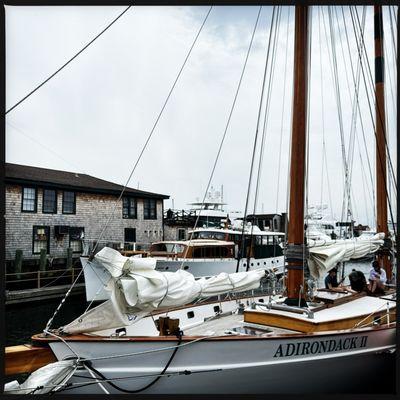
[181, 237]
[130, 216]
[55, 202]
[47, 228]
[63, 202]
[125, 232]
[22, 199]
[149, 217]
[82, 228]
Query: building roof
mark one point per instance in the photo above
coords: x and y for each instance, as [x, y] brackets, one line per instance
[27, 175]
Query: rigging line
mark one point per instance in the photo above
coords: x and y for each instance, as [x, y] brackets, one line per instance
[364, 181]
[339, 109]
[153, 128]
[226, 128]
[70, 60]
[350, 154]
[120, 389]
[324, 157]
[266, 115]
[355, 104]
[391, 169]
[256, 140]
[50, 321]
[267, 105]
[386, 54]
[322, 103]
[283, 109]
[370, 110]
[333, 83]
[356, 83]
[392, 32]
[307, 163]
[288, 185]
[19, 130]
[386, 95]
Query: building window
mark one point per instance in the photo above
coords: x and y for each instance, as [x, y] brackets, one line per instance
[129, 238]
[150, 209]
[129, 207]
[49, 201]
[76, 236]
[181, 234]
[69, 203]
[28, 199]
[41, 239]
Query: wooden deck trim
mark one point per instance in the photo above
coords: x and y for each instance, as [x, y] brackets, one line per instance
[41, 339]
[308, 326]
[26, 358]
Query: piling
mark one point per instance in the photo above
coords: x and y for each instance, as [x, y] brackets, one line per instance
[43, 259]
[69, 258]
[18, 263]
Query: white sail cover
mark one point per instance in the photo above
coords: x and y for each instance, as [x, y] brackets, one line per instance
[137, 289]
[49, 378]
[325, 254]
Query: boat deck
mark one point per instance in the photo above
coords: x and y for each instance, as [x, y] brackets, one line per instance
[232, 324]
[362, 310]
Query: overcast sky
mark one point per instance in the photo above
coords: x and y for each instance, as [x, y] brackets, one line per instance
[96, 114]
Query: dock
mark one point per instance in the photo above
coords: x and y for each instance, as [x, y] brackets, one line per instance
[43, 293]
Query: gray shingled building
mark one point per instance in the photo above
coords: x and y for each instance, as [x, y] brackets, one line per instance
[55, 210]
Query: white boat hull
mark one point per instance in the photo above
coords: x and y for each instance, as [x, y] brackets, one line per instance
[323, 363]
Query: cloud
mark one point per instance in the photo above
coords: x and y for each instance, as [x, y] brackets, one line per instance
[98, 111]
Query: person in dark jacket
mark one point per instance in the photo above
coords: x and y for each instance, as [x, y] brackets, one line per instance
[358, 283]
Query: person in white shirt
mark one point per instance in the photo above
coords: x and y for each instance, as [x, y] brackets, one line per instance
[377, 278]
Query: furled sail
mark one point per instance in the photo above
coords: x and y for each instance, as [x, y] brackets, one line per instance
[325, 254]
[136, 289]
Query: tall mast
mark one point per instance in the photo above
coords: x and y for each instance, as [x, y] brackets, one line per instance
[380, 122]
[294, 253]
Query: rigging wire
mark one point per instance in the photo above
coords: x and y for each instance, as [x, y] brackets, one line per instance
[288, 188]
[266, 116]
[370, 110]
[371, 80]
[134, 168]
[324, 156]
[225, 130]
[256, 139]
[69, 61]
[283, 108]
[19, 130]
[307, 161]
[266, 112]
[356, 80]
[346, 196]
[153, 128]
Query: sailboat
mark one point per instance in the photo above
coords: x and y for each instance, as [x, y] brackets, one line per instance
[273, 344]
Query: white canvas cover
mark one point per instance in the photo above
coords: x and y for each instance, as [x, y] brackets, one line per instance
[137, 289]
[50, 377]
[325, 254]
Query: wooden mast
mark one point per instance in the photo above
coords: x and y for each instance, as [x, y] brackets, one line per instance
[380, 122]
[294, 254]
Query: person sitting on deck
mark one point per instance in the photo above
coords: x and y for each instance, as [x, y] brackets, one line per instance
[377, 278]
[331, 282]
[358, 283]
